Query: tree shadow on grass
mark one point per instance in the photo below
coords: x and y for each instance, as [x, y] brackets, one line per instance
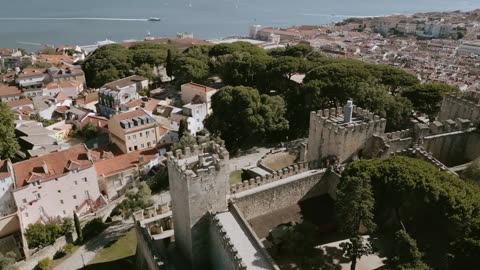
[127, 263]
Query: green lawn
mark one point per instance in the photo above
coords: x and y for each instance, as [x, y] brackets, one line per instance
[60, 260]
[236, 177]
[124, 246]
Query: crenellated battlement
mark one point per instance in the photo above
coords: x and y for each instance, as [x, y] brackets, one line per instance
[397, 135]
[198, 161]
[228, 244]
[419, 152]
[441, 127]
[464, 105]
[275, 176]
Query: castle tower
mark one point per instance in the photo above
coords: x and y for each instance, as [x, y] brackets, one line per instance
[198, 184]
[342, 132]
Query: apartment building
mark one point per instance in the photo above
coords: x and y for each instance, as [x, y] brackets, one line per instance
[55, 185]
[197, 93]
[134, 130]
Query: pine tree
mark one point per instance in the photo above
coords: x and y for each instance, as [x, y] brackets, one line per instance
[8, 143]
[169, 66]
[78, 228]
[182, 129]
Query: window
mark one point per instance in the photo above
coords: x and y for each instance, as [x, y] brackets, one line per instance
[74, 197]
[64, 212]
[24, 200]
[26, 214]
[75, 182]
[61, 201]
[130, 148]
[77, 207]
[149, 144]
[128, 137]
[117, 183]
[147, 133]
[38, 196]
[136, 148]
[134, 137]
[143, 145]
[84, 180]
[141, 134]
[59, 191]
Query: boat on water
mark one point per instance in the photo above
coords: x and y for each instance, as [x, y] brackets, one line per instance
[154, 19]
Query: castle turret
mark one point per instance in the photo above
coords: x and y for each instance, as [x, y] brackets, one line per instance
[348, 112]
[198, 179]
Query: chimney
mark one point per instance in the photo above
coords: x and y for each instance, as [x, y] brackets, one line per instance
[45, 167]
[348, 112]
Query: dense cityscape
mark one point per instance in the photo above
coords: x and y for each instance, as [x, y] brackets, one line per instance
[352, 145]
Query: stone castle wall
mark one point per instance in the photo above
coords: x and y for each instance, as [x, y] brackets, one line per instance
[223, 253]
[343, 141]
[465, 105]
[283, 193]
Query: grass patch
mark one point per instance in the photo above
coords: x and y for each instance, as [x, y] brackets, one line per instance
[235, 177]
[125, 246]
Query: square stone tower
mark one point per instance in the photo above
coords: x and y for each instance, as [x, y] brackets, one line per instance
[198, 179]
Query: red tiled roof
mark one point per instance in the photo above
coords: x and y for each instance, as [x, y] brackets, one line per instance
[199, 87]
[97, 121]
[124, 162]
[6, 91]
[57, 164]
[19, 103]
[31, 72]
[54, 58]
[6, 51]
[88, 98]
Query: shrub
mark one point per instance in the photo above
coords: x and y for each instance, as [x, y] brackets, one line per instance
[93, 228]
[59, 254]
[67, 225]
[68, 248]
[44, 264]
[39, 235]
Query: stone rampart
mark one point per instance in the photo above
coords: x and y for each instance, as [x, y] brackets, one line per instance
[264, 199]
[420, 153]
[465, 105]
[275, 176]
[226, 254]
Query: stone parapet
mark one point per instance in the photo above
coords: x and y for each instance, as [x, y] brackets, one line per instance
[275, 176]
[419, 152]
[228, 245]
[397, 135]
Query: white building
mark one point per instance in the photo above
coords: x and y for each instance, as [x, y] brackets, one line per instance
[469, 48]
[197, 93]
[7, 204]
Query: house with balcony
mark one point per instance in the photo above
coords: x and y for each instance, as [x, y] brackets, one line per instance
[55, 185]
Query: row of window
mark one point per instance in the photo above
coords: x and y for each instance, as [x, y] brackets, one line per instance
[134, 136]
[142, 146]
[38, 196]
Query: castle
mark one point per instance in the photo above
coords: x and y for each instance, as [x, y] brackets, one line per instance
[215, 226]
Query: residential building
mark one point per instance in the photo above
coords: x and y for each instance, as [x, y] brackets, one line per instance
[9, 93]
[66, 72]
[469, 48]
[69, 88]
[114, 96]
[7, 204]
[134, 130]
[55, 185]
[30, 78]
[117, 174]
[196, 93]
[87, 100]
[36, 140]
[20, 103]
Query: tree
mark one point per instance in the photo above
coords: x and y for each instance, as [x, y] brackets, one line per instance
[8, 143]
[67, 225]
[7, 261]
[354, 205]
[473, 171]
[190, 69]
[45, 264]
[169, 64]
[356, 248]
[138, 199]
[411, 195]
[41, 235]
[186, 140]
[78, 227]
[93, 228]
[405, 253]
[243, 117]
[89, 131]
[182, 129]
[145, 70]
[105, 76]
[427, 97]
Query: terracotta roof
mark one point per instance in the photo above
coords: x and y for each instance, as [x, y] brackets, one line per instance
[88, 98]
[199, 87]
[124, 162]
[61, 109]
[32, 72]
[98, 121]
[124, 82]
[54, 58]
[134, 103]
[51, 165]
[63, 84]
[151, 104]
[6, 91]
[6, 51]
[19, 103]
[4, 173]
[61, 96]
[129, 115]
